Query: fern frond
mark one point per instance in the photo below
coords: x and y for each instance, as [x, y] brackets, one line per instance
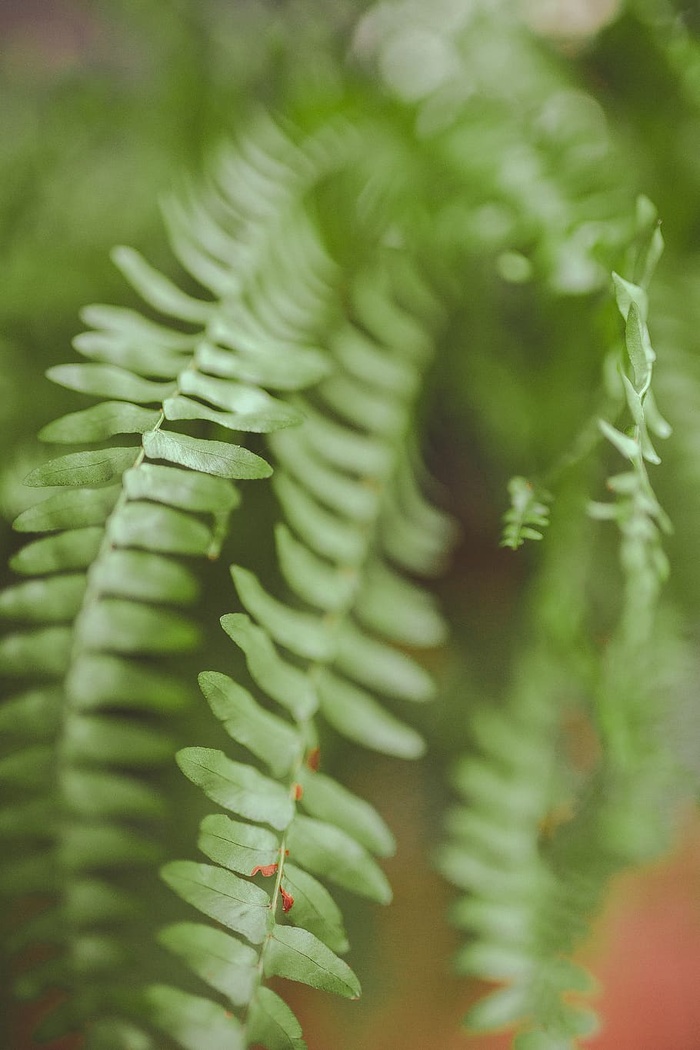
[357, 522]
[102, 605]
[535, 842]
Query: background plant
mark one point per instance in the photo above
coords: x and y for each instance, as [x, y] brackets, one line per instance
[509, 208]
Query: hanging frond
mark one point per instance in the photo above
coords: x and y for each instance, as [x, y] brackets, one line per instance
[103, 603]
[356, 524]
[535, 842]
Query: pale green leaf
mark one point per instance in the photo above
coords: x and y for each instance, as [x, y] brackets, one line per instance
[280, 680]
[346, 448]
[627, 293]
[236, 846]
[398, 609]
[185, 489]
[328, 800]
[277, 366]
[84, 468]
[157, 290]
[70, 509]
[330, 853]
[272, 1024]
[209, 457]
[635, 339]
[369, 363]
[302, 633]
[353, 401]
[238, 399]
[130, 324]
[102, 680]
[357, 715]
[625, 445]
[110, 381]
[320, 528]
[267, 736]
[222, 961]
[261, 422]
[237, 904]
[299, 956]
[185, 1017]
[145, 577]
[100, 422]
[347, 496]
[313, 579]
[121, 626]
[150, 360]
[237, 787]
[504, 1007]
[314, 909]
[381, 667]
[54, 599]
[154, 527]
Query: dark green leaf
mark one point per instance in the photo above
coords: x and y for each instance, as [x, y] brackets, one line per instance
[238, 905]
[100, 422]
[33, 714]
[45, 651]
[330, 853]
[30, 767]
[87, 847]
[299, 956]
[54, 599]
[223, 962]
[283, 682]
[110, 381]
[209, 457]
[267, 736]
[237, 787]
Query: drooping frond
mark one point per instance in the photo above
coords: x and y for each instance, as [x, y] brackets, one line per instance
[102, 608]
[357, 528]
[538, 834]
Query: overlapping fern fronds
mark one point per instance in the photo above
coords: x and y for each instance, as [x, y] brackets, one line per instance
[356, 525]
[101, 610]
[538, 835]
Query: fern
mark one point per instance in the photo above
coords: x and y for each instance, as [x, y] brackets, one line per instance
[107, 583]
[357, 523]
[534, 849]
